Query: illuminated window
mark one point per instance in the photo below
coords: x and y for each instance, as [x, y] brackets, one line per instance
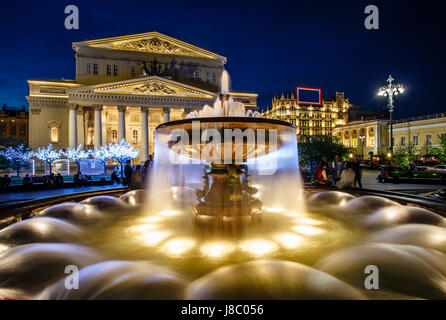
[95, 69]
[108, 70]
[403, 141]
[372, 142]
[54, 134]
[428, 139]
[135, 136]
[415, 140]
[114, 135]
[88, 68]
[115, 70]
[197, 75]
[355, 143]
[208, 77]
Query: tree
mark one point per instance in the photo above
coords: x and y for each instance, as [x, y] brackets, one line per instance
[48, 155]
[103, 153]
[78, 155]
[404, 156]
[313, 148]
[17, 156]
[121, 152]
[441, 151]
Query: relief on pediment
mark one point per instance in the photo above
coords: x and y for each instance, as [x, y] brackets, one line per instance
[155, 87]
[154, 45]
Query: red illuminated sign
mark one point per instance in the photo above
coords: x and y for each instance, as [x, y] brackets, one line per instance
[309, 95]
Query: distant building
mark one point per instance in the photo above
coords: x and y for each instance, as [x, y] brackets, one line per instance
[124, 88]
[14, 123]
[310, 119]
[422, 132]
[365, 138]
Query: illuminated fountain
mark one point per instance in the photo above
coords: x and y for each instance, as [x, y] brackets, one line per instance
[225, 216]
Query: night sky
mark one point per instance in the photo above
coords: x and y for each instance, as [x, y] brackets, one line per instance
[271, 46]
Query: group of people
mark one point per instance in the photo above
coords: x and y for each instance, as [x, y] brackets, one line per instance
[341, 175]
[135, 179]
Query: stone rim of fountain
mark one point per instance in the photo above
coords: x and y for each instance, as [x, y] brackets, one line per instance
[226, 119]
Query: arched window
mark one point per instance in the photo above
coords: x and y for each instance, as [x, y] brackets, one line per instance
[135, 136]
[54, 134]
[114, 135]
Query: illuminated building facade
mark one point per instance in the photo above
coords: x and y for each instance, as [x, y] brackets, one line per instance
[14, 123]
[124, 88]
[310, 119]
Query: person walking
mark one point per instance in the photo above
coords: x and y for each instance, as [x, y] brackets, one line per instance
[136, 179]
[128, 173]
[337, 169]
[358, 173]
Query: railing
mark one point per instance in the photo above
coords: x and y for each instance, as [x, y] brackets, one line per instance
[426, 117]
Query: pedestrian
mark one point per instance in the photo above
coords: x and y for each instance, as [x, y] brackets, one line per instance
[348, 177]
[6, 181]
[321, 173]
[27, 182]
[337, 169]
[50, 181]
[147, 166]
[358, 173]
[115, 178]
[136, 178]
[128, 172]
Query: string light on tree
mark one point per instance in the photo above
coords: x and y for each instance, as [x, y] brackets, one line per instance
[17, 156]
[103, 153]
[122, 151]
[48, 155]
[77, 154]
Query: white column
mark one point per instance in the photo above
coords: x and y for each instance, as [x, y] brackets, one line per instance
[80, 126]
[72, 126]
[144, 133]
[121, 122]
[166, 114]
[97, 125]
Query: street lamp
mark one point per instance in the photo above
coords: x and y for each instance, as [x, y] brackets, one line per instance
[390, 90]
[362, 146]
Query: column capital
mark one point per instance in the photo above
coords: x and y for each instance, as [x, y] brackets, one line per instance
[72, 106]
[97, 107]
[166, 109]
[80, 110]
[145, 109]
[121, 108]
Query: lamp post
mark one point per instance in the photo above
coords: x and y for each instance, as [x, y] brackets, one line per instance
[362, 146]
[390, 90]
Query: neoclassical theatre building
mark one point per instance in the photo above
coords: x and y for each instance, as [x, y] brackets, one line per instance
[124, 88]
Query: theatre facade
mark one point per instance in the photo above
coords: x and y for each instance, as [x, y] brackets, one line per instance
[123, 89]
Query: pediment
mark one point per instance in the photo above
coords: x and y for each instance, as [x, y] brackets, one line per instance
[147, 86]
[152, 42]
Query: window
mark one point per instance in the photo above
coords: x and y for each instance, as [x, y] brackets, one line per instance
[372, 141]
[197, 75]
[403, 141]
[95, 69]
[114, 135]
[133, 71]
[54, 134]
[208, 77]
[191, 75]
[13, 129]
[108, 70]
[88, 68]
[135, 136]
[115, 70]
[428, 139]
[214, 77]
[415, 140]
[355, 143]
[22, 129]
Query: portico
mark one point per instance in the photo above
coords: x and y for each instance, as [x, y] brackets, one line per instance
[138, 97]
